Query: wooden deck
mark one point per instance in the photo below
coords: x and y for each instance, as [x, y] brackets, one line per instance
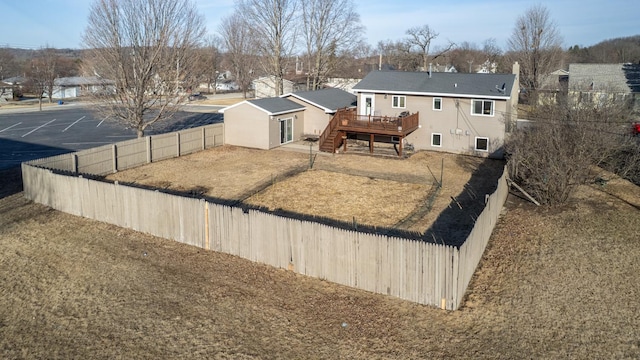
[346, 122]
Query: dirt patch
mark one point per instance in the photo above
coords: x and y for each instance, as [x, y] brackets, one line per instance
[552, 284]
[371, 190]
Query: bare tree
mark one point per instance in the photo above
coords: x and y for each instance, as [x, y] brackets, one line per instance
[43, 70]
[559, 152]
[8, 64]
[421, 37]
[273, 25]
[212, 59]
[8, 67]
[536, 44]
[397, 54]
[144, 47]
[208, 62]
[240, 48]
[330, 27]
[491, 50]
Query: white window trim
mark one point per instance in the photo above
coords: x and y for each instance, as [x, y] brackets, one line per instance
[475, 143]
[493, 107]
[393, 97]
[432, 144]
[281, 120]
[434, 104]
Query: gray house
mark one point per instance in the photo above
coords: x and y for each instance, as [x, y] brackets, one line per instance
[458, 113]
[75, 86]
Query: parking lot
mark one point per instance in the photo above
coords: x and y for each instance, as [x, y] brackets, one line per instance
[30, 134]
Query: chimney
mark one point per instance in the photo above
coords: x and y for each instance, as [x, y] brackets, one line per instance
[380, 63]
[516, 72]
[430, 69]
[516, 69]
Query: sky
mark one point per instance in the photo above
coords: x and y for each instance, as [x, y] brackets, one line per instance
[60, 23]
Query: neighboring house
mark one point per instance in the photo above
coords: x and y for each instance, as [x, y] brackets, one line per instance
[71, 87]
[554, 87]
[6, 91]
[458, 112]
[345, 84]
[593, 83]
[320, 107]
[263, 123]
[15, 81]
[265, 87]
[227, 85]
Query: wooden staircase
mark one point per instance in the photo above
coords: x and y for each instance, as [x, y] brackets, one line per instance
[332, 141]
[331, 137]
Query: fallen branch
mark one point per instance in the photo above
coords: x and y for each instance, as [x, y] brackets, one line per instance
[531, 198]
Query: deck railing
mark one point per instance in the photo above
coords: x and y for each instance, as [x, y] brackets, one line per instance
[347, 120]
[402, 124]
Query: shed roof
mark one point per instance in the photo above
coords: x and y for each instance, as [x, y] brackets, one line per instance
[271, 106]
[329, 100]
[438, 83]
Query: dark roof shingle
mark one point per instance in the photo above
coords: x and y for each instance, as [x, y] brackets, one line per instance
[330, 100]
[276, 105]
[457, 84]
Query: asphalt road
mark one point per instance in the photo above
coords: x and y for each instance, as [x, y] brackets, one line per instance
[29, 134]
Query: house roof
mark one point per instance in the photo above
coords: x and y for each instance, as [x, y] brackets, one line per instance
[329, 100]
[607, 77]
[271, 106]
[81, 80]
[15, 80]
[438, 83]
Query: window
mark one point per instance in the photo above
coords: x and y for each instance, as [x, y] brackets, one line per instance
[399, 102]
[437, 104]
[482, 144]
[286, 130]
[482, 107]
[436, 140]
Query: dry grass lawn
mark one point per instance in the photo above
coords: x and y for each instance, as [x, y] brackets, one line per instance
[376, 191]
[557, 283]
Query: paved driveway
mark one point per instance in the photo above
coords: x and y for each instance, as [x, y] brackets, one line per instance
[32, 134]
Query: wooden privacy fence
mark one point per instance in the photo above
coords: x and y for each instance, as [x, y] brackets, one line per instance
[124, 155]
[417, 271]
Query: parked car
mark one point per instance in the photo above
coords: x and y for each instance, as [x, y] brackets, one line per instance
[197, 96]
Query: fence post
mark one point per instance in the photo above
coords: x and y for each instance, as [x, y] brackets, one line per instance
[204, 137]
[74, 163]
[177, 144]
[114, 157]
[148, 141]
[207, 246]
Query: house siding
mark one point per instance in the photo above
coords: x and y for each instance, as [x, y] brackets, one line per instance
[265, 87]
[315, 119]
[274, 127]
[248, 126]
[459, 128]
